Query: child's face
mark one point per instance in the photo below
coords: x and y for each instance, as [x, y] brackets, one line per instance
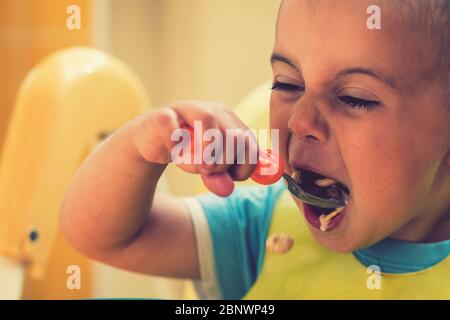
[395, 156]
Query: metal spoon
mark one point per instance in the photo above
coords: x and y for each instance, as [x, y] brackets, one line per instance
[268, 158]
[295, 189]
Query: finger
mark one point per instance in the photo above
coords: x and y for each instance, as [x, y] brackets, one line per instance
[219, 183]
[205, 119]
[246, 154]
[167, 124]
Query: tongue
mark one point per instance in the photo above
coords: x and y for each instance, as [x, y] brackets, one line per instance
[325, 220]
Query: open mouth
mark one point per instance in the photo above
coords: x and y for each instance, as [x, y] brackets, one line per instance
[324, 219]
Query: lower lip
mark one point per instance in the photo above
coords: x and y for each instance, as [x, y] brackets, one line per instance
[313, 218]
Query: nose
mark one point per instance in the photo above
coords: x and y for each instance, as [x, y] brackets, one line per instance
[307, 123]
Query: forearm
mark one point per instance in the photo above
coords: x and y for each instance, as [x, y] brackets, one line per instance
[111, 194]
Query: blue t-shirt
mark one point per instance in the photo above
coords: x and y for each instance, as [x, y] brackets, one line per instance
[231, 234]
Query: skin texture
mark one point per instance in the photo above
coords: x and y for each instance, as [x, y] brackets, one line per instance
[394, 158]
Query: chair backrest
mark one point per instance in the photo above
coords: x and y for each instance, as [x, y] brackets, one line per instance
[66, 104]
[253, 109]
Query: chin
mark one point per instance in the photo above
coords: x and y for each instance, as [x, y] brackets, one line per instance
[345, 241]
[338, 245]
[335, 243]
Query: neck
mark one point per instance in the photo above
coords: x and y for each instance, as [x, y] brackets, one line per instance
[426, 230]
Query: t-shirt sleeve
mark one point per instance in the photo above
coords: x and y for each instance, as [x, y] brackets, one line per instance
[230, 234]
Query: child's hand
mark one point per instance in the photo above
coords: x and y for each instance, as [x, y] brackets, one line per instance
[152, 139]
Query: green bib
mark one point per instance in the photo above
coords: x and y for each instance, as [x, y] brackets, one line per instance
[310, 271]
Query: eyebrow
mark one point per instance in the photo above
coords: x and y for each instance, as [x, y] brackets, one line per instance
[280, 58]
[388, 80]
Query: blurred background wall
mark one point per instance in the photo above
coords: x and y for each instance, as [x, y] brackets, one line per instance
[198, 49]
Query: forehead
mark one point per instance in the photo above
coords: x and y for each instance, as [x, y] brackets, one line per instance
[331, 35]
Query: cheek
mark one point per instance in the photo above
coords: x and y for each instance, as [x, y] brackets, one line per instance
[279, 116]
[279, 112]
[388, 176]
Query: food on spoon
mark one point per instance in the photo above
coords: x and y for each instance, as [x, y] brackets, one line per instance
[326, 182]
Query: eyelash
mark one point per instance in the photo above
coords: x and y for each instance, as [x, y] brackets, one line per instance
[350, 101]
[280, 86]
[358, 103]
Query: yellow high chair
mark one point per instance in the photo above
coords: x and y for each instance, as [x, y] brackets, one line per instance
[66, 104]
[253, 109]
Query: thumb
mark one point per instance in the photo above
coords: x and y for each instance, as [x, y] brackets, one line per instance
[218, 183]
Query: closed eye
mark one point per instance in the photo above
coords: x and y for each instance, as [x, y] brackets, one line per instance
[281, 86]
[358, 102]
[352, 102]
